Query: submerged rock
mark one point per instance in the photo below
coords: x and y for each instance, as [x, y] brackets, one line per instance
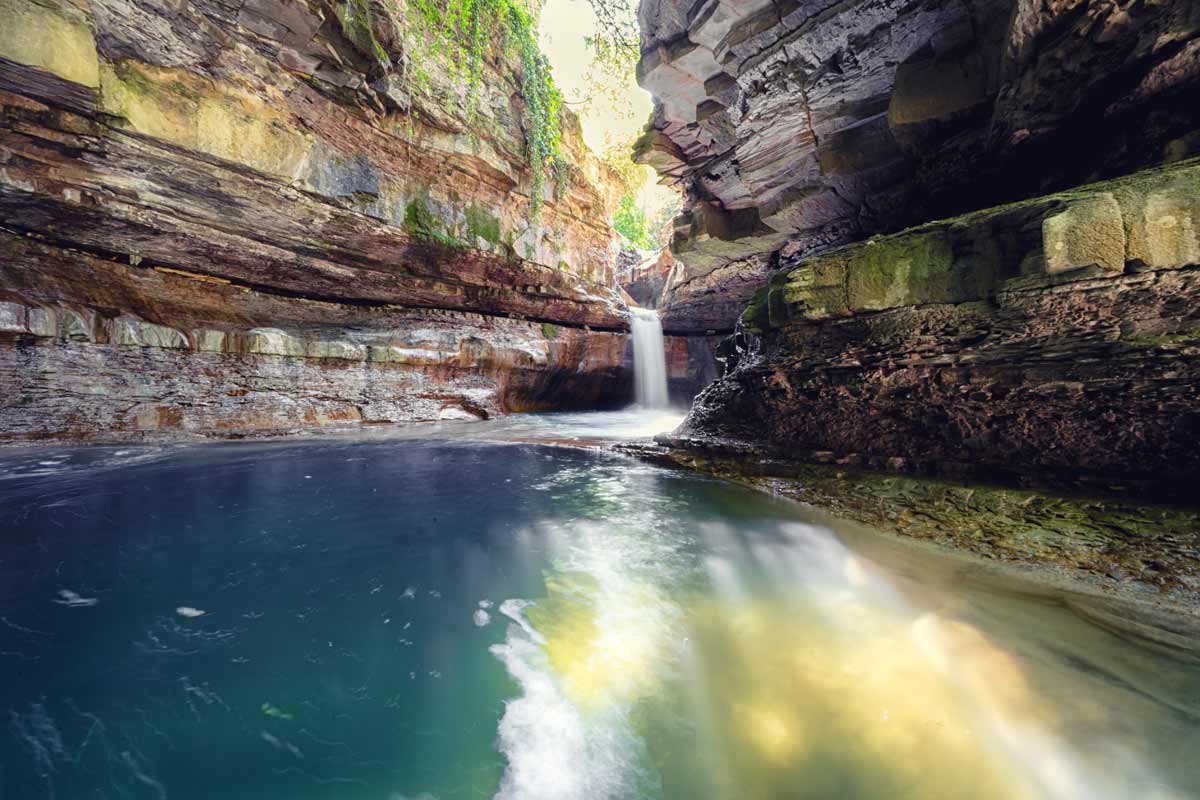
[1105, 541]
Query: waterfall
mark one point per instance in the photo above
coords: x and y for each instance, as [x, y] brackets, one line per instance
[649, 358]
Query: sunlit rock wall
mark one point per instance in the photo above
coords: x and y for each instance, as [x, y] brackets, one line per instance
[271, 213]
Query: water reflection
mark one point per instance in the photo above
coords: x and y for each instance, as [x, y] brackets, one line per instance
[581, 429]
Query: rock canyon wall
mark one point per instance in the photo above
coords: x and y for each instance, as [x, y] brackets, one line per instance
[1055, 340]
[1043, 331]
[237, 216]
[802, 125]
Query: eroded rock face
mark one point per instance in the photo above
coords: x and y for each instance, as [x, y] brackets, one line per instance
[1053, 340]
[273, 213]
[209, 357]
[644, 276]
[691, 366]
[800, 126]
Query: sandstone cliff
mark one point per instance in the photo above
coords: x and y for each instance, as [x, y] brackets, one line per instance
[1049, 340]
[262, 214]
[802, 125]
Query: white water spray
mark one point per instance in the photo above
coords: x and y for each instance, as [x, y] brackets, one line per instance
[649, 358]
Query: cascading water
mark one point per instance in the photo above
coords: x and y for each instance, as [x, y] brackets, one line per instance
[649, 358]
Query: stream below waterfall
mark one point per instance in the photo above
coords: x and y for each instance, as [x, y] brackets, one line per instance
[462, 611]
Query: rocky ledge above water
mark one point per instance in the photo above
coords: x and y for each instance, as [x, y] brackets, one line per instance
[1118, 546]
[1051, 341]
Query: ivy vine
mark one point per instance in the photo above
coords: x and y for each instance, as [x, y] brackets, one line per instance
[465, 30]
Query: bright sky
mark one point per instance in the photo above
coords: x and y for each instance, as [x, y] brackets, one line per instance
[563, 26]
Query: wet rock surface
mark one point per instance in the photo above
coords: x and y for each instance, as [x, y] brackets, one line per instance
[644, 275]
[1054, 341]
[1116, 545]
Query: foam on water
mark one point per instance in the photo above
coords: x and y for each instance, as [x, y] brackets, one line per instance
[555, 750]
[602, 641]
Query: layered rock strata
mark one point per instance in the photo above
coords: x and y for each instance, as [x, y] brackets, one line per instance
[691, 366]
[1055, 340]
[802, 125]
[98, 348]
[270, 213]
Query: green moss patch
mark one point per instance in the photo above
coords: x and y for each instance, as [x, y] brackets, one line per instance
[483, 225]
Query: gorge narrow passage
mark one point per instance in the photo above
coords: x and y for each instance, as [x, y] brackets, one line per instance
[599, 400]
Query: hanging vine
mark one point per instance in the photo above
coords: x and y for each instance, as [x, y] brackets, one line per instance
[465, 30]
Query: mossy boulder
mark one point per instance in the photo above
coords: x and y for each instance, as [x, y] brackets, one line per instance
[900, 271]
[1088, 232]
[1147, 220]
[818, 290]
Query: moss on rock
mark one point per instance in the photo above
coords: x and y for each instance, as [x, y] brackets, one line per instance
[901, 270]
[482, 224]
[356, 22]
[1149, 219]
[422, 223]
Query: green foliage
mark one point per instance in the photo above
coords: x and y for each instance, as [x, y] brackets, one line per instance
[664, 218]
[550, 330]
[616, 43]
[615, 48]
[464, 30]
[544, 103]
[630, 221]
[617, 155]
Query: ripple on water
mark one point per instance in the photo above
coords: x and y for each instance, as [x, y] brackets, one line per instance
[678, 638]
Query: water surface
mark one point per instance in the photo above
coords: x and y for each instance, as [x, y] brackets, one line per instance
[441, 615]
